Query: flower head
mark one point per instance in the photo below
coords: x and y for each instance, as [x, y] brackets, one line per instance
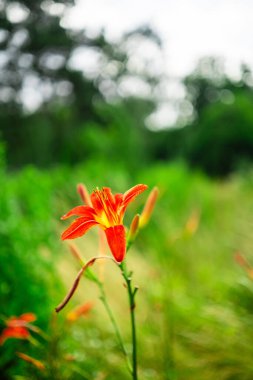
[107, 212]
[17, 327]
[79, 311]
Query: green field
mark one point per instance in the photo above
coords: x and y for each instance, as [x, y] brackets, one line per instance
[194, 306]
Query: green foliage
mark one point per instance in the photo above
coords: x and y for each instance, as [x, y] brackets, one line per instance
[194, 310]
[48, 105]
[81, 115]
[216, 136]
[28, 250]
[194, 305]
[223, 140]
[219, 141]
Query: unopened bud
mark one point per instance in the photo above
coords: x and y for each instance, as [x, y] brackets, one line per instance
[241, 260]
[79, 311]
[75, 252]
[250, 273]
[37, 363]
[77, 255]
[134, 228]
[192, 224]
[148, 208]
[83, 192]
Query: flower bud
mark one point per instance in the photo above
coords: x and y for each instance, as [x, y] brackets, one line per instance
[240, 259]
[148, 208]
[134, 228]
[244, 263]
[83, 192]
[77, 255]
[192, 224]
[75, 252]
[37, 363]
[79, 311]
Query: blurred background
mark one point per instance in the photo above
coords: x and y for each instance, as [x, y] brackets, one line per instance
[114, 93]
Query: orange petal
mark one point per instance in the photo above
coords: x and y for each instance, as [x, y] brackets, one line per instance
[132, 193]
[22, 320]
[28, 317]
[109, 195]
[78, 228]
[19, 332]
[96, 202]
[84, 211]
[103, 199]
[118, 200]
[116, 238]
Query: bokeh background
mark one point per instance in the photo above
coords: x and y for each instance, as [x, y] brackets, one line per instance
[114, 93]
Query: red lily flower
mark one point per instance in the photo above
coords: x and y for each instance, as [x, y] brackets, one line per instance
[17, 327]
[107, 212]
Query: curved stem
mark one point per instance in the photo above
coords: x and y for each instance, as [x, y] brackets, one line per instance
[114, 323]
[131, 295]
[82, 271]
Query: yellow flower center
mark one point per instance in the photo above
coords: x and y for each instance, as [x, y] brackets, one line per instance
[109, 216]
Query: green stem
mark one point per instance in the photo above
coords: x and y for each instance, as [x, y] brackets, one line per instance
[114, 323]
[131, 295]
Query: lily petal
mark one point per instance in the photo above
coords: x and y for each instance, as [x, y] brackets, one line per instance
[28, 317]
[118, 200]
[96, 202]
[11, 332]
[79, 211]
[78, 228]
[22, 320]
[132, 193]
[116, 238]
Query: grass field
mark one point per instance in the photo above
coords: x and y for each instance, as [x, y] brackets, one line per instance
[195, 302]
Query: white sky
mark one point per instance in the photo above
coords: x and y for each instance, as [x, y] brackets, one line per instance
[189, 29]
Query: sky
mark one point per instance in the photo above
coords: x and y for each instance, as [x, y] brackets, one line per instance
[189, 29]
